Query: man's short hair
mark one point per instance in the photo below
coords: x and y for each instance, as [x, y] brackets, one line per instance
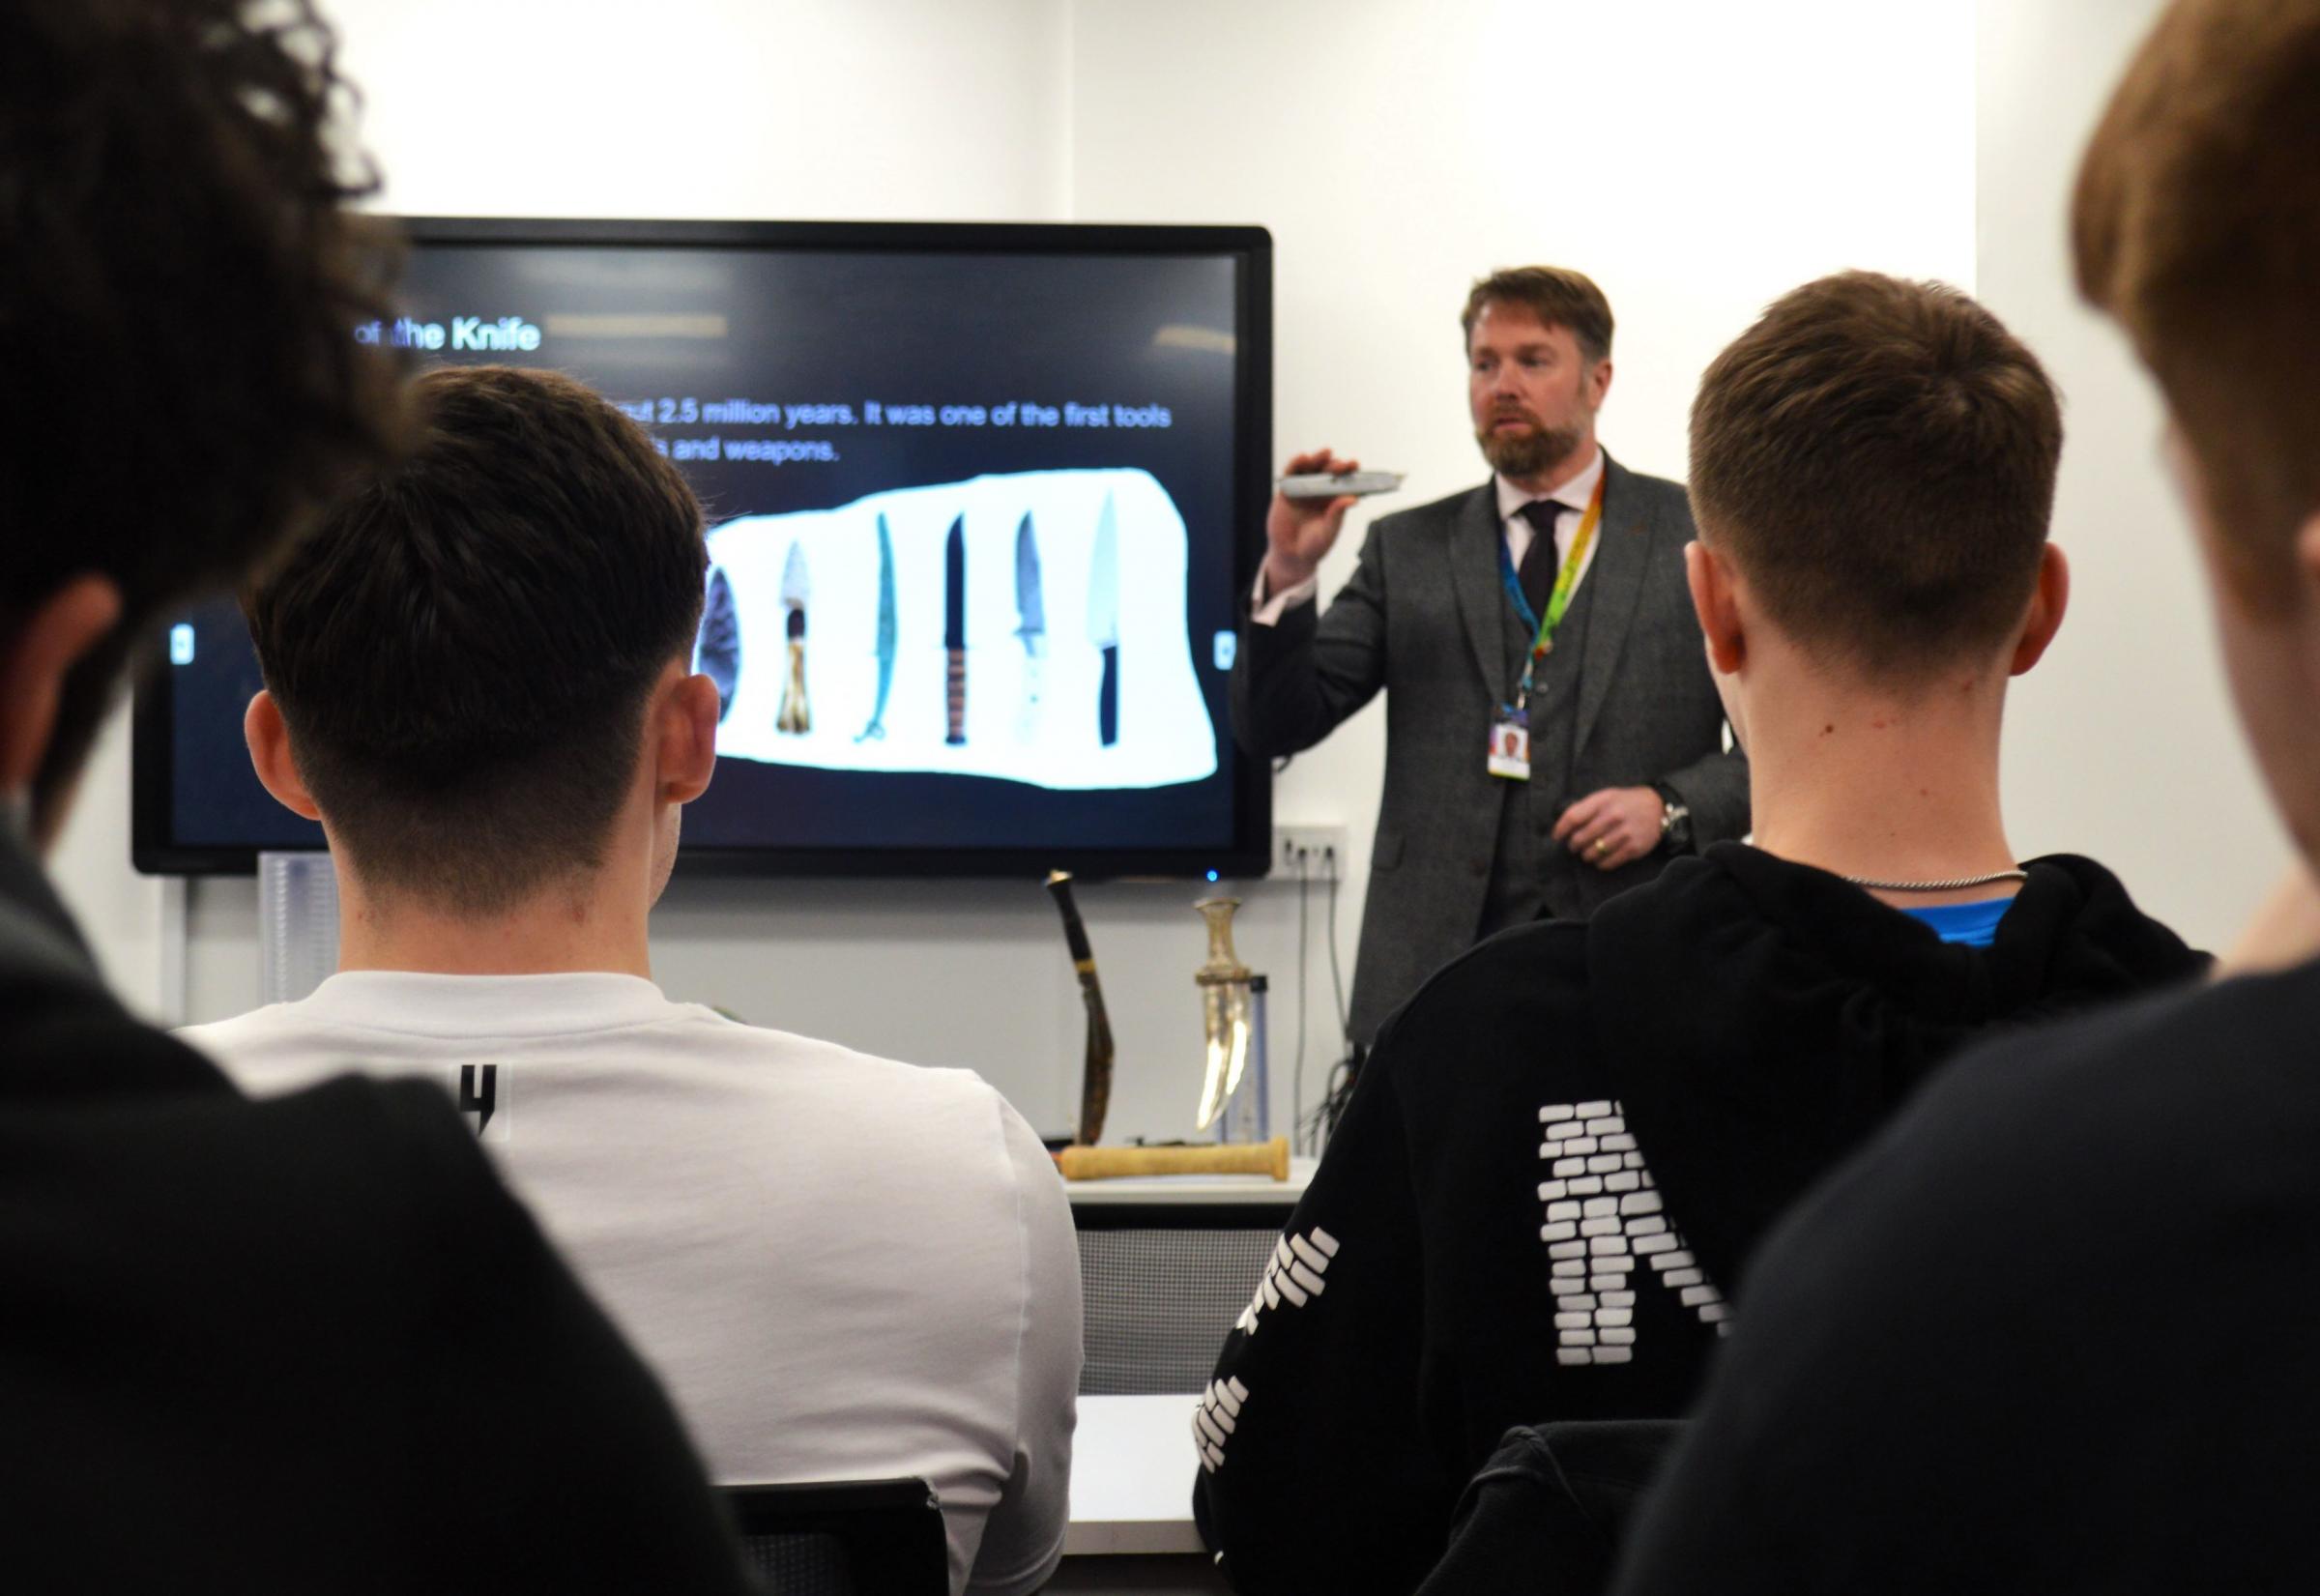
[179, 288]
[2196, 223]
[1557, 295]
[1878, 458]
[464, 647]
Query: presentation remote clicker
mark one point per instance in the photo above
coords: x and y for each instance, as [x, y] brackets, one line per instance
[1354, 483]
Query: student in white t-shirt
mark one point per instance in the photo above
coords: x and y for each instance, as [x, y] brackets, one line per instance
[479, 679]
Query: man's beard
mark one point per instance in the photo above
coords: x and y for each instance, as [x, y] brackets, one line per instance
[1527, 453]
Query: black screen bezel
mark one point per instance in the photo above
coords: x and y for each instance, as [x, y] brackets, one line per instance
[155, 851]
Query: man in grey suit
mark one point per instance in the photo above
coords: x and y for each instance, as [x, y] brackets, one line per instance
[1511, 792]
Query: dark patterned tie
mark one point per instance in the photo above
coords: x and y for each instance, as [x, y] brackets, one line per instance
[1537, 570]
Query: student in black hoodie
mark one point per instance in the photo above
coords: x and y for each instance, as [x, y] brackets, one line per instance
[2054, 1331]
[1545, 1193]
[309, 1344]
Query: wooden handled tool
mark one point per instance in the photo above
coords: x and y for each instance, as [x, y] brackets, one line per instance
[1230, 1158]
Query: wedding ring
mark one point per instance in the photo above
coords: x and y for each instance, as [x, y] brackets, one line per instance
[1602, 845]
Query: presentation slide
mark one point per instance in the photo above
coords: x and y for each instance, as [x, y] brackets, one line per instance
[970, 528]
[1003, 606]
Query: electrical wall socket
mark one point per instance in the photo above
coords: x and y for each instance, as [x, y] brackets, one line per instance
[1321, 848]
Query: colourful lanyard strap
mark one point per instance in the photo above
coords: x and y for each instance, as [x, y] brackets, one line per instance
[1557, 601]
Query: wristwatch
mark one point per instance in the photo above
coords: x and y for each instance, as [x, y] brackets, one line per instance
[1675, 822]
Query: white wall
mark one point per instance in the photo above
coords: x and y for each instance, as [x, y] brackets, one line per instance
[912, 110]
[1698, 158]
[2122, 744]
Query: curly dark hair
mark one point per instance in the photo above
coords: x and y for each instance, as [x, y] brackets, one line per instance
[179, 286]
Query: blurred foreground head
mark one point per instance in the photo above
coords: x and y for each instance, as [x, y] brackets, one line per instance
[178, 383]
[2196, 225]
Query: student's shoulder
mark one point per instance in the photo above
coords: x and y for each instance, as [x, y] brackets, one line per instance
[947, 1142]
[708, 1028]
[941, 1099]
[1511, 1013]
[2217, 1057]
[1543, 961]
[393, 1153]
[2158, 1096]
[355, 1202]
[255, 1030]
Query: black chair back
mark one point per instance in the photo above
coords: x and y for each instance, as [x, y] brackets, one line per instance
[843, 1537]
[1548, 1510]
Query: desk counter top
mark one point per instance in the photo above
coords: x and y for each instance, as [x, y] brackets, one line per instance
[1132, 1466]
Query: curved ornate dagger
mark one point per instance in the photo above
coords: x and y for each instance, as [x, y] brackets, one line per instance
[1224, 983]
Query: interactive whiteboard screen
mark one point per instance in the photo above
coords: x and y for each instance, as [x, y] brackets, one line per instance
[982, 504]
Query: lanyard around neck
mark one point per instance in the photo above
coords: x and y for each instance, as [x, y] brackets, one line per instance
[1558, 601]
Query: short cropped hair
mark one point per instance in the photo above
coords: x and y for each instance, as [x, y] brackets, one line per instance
[1557, 295]
[1878, 458]
[179, 287]
[2196, 224]
[464, 647]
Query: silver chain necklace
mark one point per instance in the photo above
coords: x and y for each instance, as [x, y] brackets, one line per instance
[1958, 884]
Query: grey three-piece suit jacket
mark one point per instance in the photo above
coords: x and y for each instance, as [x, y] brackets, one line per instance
[1625, 699]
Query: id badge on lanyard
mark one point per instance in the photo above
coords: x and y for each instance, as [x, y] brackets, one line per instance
[1509, 757]
[1510, 745]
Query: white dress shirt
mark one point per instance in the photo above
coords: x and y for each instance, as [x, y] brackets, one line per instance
[1572, 496]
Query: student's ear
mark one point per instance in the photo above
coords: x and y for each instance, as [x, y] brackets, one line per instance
[269, 740]
[2047, 600]
[34, 663]
[1717, 604]
[685, 738]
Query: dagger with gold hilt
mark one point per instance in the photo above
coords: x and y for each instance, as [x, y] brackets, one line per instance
[1224, 983]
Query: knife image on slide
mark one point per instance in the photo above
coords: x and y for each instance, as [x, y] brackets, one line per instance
[795, 718]
[955, 626]
[885, 632]
[1103, 619]
[717, 655]
[1029, 605]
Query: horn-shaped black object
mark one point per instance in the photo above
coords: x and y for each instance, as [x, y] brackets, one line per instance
[1095, 1081]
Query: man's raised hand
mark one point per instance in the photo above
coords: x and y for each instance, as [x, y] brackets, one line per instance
[1299, 531]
